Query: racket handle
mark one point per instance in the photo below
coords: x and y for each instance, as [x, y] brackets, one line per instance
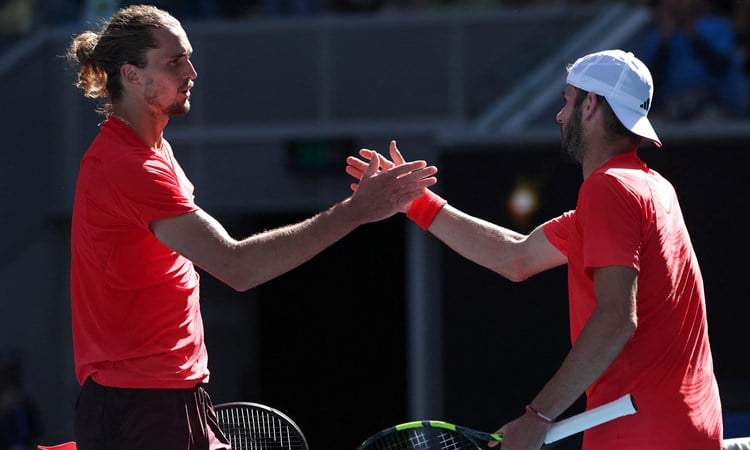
[591, 418]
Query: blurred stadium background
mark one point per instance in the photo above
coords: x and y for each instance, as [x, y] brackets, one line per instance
[279, 102]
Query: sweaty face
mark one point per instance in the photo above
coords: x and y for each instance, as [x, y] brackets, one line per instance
[169, 74]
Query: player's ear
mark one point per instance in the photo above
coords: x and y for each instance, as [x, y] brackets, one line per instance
[590, 104]
[129, 73]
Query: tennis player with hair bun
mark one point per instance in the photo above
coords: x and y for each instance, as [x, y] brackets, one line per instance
[635, 289]
[137, 235]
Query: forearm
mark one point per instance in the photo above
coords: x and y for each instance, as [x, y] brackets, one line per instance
[244, 264]
[482, 242]
[511, 254]
[268, 254]
[599, 343]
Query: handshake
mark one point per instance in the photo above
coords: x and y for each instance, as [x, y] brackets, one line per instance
[402, 184]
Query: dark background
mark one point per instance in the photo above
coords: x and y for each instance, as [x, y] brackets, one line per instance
[327, 342]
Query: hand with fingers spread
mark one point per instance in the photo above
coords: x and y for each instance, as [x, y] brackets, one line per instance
[356, 167]
[422, 209]
[386, 188]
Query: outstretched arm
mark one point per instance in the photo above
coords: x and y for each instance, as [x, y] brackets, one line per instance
[244, 264]
[511, 254]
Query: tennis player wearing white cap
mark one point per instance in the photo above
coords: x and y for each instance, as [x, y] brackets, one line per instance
[637, 305]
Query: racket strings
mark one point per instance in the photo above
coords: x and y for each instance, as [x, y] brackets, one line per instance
[251, 429]
[452, 441]
[422, 439]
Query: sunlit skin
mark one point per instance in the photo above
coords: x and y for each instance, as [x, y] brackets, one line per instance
[161, 88]
[169, 74]
[569, 119]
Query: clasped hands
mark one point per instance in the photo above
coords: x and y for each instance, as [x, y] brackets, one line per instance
[414, 177]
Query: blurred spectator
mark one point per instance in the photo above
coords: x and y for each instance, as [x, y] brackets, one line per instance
[693, 56]
[19, 422]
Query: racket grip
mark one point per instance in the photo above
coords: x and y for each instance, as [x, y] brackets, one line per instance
[591, 418]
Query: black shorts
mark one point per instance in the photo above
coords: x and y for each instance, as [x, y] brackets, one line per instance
[146, 419]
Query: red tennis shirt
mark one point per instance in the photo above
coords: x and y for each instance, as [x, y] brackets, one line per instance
[135, 303]
[629, 215]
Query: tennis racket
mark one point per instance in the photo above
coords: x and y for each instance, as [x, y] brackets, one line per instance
[252, 426]
[439, 435]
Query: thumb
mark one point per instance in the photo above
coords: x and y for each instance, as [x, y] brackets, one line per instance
[373, 166]
[396, 156]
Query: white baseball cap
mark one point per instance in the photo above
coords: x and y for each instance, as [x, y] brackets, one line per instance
[624, 81]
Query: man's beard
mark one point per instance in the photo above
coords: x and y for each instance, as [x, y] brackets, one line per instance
[173, 109]
[178, 109]
[572, 144]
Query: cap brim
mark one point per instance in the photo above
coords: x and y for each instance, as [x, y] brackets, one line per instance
[635, 122]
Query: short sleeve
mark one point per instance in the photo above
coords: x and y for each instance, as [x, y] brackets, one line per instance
[148, 189]
[610, 218]
[558, 231]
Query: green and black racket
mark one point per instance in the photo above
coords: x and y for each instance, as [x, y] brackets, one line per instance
[429, 434]
[439, 435]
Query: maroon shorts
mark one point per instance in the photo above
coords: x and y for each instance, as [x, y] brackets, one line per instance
[146, 419]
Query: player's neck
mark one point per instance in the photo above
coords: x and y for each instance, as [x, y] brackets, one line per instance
[596, 156]
[148, 127]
